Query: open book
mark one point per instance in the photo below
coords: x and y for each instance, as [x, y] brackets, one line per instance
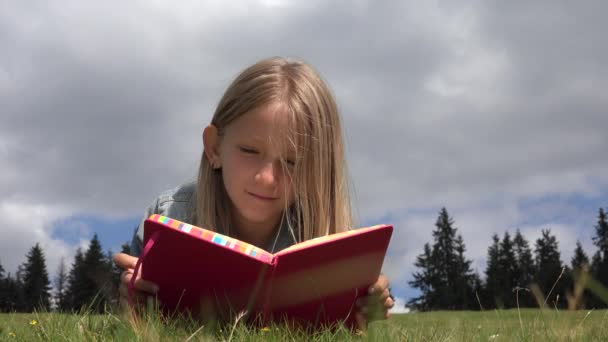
[315, 282]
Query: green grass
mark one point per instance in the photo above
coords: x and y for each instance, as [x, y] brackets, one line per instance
[490, 325]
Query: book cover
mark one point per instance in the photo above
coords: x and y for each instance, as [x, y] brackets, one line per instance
[312, 283]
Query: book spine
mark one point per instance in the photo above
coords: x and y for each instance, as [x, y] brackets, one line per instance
[266, 298]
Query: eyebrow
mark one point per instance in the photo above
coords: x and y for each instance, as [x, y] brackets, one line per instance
[249, 135]
[257, 140]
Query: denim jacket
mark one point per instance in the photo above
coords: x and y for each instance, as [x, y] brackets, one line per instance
[179, 204]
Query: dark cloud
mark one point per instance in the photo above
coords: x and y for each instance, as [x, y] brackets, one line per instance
[443, 103]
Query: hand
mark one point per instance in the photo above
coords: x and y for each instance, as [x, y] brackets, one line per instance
[142, 288]
[375, 305]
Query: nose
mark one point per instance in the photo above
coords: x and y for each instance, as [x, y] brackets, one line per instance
[267, 174]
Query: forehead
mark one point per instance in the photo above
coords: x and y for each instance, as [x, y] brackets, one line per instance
[266, 124]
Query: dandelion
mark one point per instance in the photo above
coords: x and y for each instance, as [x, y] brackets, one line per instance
[33, 322]
[12, 334]
[265, 329]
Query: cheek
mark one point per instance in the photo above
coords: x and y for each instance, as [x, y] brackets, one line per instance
[235, 171]
[228, 175]
[289, 188]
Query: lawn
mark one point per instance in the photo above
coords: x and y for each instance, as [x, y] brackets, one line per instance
[490, 325]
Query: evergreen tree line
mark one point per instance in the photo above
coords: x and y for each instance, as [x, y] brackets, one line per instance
[516, 274]
[91, 283]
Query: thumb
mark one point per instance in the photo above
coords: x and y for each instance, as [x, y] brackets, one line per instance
[124, 261]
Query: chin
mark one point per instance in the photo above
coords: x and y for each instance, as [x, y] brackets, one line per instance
[255, 218]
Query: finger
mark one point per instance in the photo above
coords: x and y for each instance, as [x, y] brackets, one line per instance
[137, 296]
[379, 286]
[383, 311]
[362, 302]
[389, 303]
[361, 321]
[384, 295]
[146, 286]
[139, 284]
[378, 299]
[124, 260]
[369, 310]
[372, 306]
[125, 276]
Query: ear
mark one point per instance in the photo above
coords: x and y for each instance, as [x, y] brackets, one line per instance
[211, 145]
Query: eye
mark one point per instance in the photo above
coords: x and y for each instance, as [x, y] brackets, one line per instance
[248, 150]
[289, 163]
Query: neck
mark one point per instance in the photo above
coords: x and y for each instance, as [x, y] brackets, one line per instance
[257, 234]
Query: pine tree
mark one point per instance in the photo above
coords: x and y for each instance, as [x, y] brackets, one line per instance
[424, 281]
[1, 276]
[466, 279]
[445, 256]
[599, 262]
[549, 267]
[97, 280]
[601, 233]
[89, 279]
[443, 269]
[525, 270]
[20, 272]
[507, 264]
[61, 287]
[492, 288]
[600, 240]
[11, 292]
[3, 288]
[36, 284]
[75, 298]
[111, 286]
[525, 260]
[20, 302]
[596, 261]
[579, 264]
[14, 301]
[579, 259]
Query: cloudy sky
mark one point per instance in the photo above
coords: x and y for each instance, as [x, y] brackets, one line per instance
[496, 110]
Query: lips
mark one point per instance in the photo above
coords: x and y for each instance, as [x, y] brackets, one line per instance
[264, 198]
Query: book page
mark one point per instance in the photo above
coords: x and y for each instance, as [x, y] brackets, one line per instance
[325, 279]
[324, 239]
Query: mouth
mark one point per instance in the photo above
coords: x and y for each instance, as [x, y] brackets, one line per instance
[263, 198]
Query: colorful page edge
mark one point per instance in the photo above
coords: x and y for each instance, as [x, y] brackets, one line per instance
[214, 237]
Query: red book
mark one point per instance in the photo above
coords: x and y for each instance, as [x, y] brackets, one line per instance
[313, 283]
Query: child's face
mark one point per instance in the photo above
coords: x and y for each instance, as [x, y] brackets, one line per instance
[255, 180]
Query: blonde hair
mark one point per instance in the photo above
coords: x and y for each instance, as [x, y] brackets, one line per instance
[322, 198]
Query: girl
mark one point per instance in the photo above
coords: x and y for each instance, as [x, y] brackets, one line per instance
[272, 172]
